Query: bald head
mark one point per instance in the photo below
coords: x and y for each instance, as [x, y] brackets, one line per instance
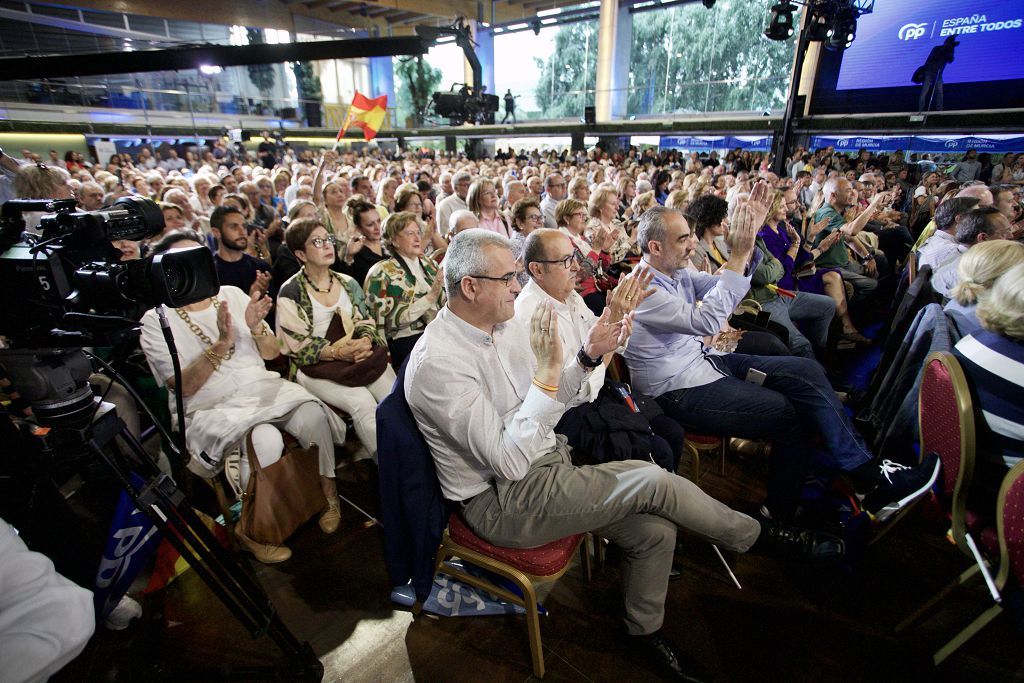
[979, 192]
[539, 245]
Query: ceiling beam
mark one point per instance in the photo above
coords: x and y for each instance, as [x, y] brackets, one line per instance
[12, 68]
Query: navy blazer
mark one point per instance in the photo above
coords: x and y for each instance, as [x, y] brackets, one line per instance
[412, 507]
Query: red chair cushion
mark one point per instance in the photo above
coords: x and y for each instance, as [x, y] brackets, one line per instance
[703, 439]
[1013, 526]
[940, 423]
[545, 560]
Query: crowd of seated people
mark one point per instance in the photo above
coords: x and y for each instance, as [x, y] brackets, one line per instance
[505, 287]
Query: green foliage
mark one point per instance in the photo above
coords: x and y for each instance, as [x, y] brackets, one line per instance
[682, 59]
[568, 78]
[689, 59]
[308, 85]
[417, 81]
[306, 81]
[261, 75]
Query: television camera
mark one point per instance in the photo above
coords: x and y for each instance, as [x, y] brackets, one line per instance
[471, 104]
[66, 288]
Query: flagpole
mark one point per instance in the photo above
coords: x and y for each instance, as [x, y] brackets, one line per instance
[344, 128]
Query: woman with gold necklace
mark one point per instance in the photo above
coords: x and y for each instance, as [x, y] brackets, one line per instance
[228, 393]
[306, 306]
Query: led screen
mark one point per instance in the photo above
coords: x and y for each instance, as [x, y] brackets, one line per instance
[895, 39]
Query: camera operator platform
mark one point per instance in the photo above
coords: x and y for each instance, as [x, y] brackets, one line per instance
[73, 293]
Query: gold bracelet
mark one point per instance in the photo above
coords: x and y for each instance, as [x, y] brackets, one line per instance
[213, 359]
[264, 330]
[544, 387]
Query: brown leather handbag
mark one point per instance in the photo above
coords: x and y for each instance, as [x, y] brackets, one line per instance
[282, 497]
[346, 372]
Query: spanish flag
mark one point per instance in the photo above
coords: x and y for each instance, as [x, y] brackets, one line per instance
[367, 114]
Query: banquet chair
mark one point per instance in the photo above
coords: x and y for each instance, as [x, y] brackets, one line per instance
[947, 428]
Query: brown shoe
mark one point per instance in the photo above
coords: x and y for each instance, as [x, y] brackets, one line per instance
[856, 337]
[266, 553]
[331, 517]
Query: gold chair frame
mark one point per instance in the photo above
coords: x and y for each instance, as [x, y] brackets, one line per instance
[449, 549]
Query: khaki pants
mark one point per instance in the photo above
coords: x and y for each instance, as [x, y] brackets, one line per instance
[634, 504]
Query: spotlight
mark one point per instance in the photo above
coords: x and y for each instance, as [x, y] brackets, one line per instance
[535, 25]
[844, 30]
[708, 3]
[820, 27]
[780, 25]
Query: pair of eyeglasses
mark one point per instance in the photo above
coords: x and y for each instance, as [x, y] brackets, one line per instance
[507, 278]
[568, 262]
[319, 242]
[579, 214]
[535, 217]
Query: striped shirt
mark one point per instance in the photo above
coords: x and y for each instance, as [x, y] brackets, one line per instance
[994, 366]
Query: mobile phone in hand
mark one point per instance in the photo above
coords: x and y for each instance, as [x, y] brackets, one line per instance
[755, 376]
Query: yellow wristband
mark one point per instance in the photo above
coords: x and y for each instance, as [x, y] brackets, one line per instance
[544, 387]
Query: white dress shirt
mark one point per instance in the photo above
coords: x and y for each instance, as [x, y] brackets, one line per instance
[445, 208]
[475, 403]
[574, 323]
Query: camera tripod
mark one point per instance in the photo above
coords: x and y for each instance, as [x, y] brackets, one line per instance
[84, 423]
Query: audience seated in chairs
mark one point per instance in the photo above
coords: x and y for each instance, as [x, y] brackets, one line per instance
[228, 393]
[740, 395]
[486, 393]
[550, 261]
[307, 306]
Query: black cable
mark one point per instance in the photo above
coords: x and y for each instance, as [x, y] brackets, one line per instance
[138, 399]
[179, 401]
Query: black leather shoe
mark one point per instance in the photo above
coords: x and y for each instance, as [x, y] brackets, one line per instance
[661, 653]
[793, 543]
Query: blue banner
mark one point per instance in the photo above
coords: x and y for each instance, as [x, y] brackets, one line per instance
[755, 143]
[933, 144]
[133, 540]
[997, 144]
[693, 143]
[852, 143]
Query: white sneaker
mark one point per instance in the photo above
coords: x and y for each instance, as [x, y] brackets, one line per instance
[121, 616]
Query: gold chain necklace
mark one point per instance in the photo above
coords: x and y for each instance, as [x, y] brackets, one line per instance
[198, 331]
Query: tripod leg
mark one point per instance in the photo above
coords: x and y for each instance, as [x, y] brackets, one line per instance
[165, 504]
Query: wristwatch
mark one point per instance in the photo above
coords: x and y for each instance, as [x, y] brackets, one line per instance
[586, 361]
[865, 259]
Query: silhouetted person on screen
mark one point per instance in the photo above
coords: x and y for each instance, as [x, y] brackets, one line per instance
[510, 106]
[929, 75]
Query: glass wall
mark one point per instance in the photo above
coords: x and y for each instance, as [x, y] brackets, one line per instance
[689, 60]
[553, 73]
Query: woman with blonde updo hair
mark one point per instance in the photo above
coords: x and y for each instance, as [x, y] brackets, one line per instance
[991, 359]
[978, 270]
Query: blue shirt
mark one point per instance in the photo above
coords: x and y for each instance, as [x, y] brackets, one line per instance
[667, 351]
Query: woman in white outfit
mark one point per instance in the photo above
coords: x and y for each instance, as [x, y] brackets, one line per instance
[227, 391]
[306, 305]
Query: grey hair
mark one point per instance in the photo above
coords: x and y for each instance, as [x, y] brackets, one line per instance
[830, 186]
[457, 216]
[465, 256]
[974, 223]
[643, 186]
[651, 227]
[460, 176]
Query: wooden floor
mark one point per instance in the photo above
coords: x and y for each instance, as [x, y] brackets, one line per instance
[788, 623]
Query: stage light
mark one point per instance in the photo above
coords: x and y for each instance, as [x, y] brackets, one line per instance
[208, 70]
[708, 3]
[780, 25]
[820, 27]
[844, 30]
